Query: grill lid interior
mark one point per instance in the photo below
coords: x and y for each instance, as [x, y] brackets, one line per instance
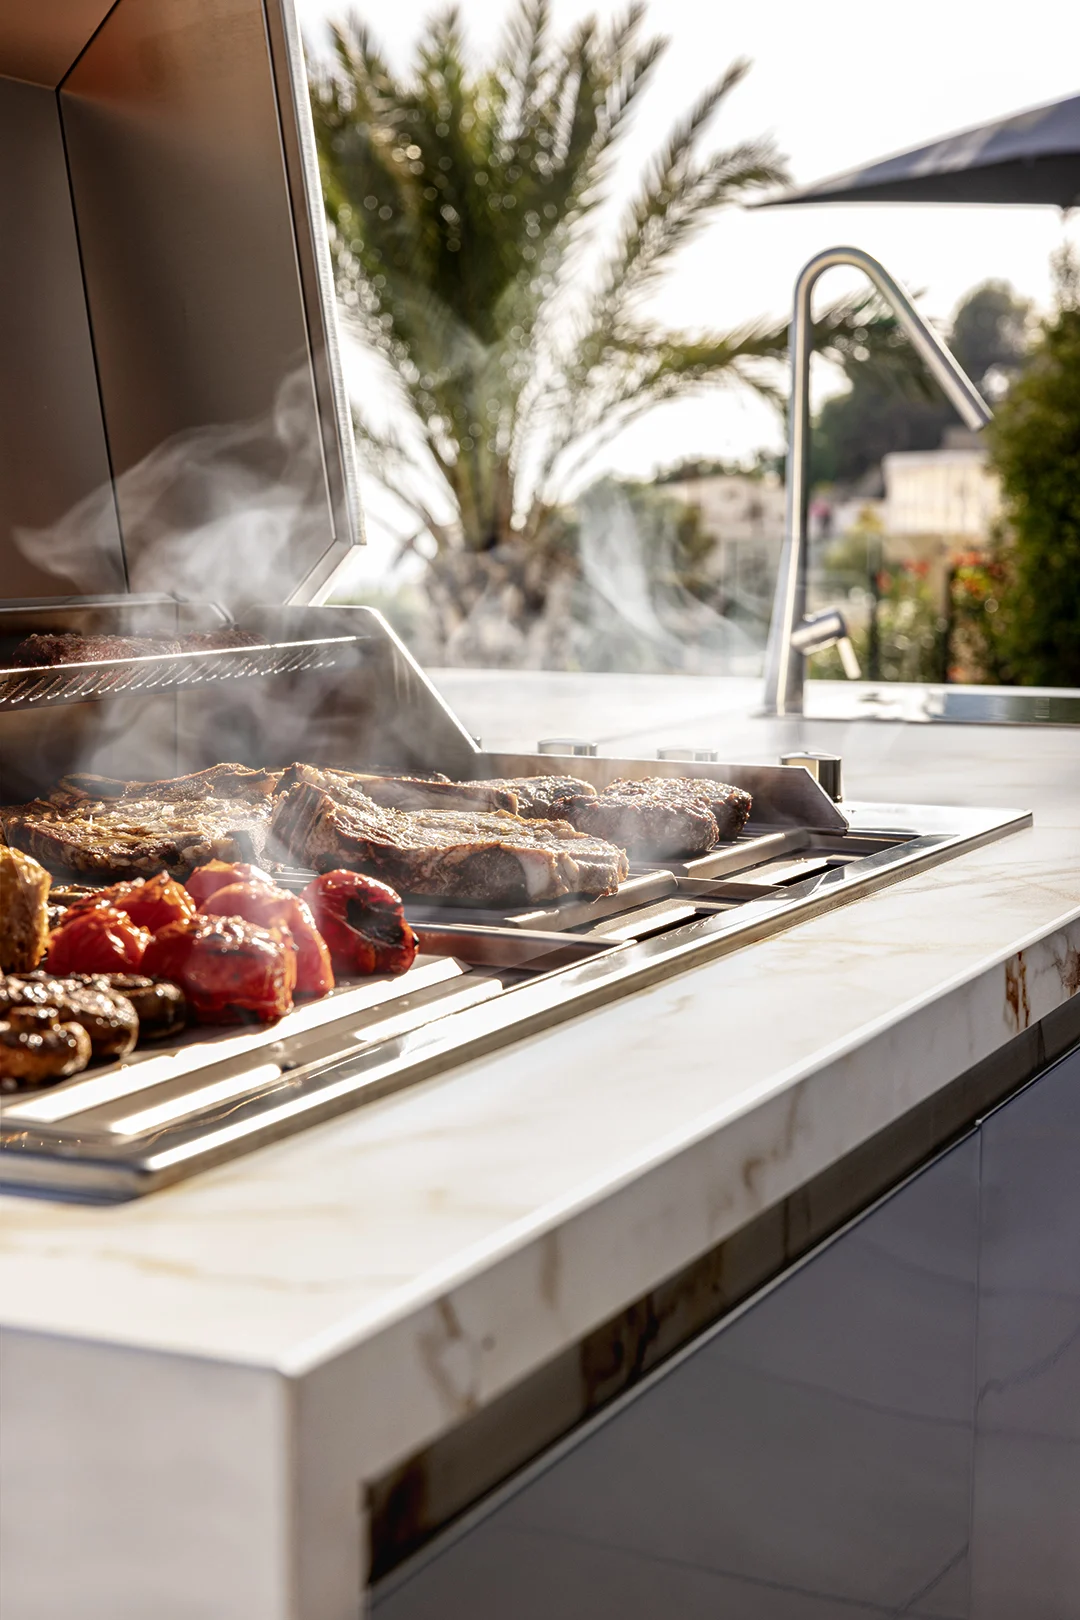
[171, 406]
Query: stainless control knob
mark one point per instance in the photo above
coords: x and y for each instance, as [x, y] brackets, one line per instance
[826, 769]
[566, 745]
[696, 756]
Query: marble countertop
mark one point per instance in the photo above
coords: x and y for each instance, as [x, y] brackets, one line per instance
[461, 1233]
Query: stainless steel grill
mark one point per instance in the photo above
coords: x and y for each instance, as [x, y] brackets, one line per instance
[175, 427]
[486, 976]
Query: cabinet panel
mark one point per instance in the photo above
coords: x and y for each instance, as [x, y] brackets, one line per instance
[812, 1457]
[1027, 1459]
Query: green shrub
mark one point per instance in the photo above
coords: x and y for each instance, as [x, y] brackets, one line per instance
[1035, 444]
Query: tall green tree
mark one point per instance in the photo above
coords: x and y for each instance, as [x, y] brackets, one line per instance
[475, 259]
[1035, 445]
[884, 411]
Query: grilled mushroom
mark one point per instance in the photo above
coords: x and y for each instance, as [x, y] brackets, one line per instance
[108, 1018]
[160, 1005]
[36, 1049]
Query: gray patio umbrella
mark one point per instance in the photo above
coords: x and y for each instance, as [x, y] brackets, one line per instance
[1032, 157]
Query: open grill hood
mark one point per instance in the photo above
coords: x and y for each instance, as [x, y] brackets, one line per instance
[171, 411]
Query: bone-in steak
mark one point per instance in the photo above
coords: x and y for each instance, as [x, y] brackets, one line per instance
[490, 857]
[240, 782]
[436, 792]
[126, 836]
[662, 817]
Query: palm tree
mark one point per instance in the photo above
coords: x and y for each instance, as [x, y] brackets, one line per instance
[464, 209]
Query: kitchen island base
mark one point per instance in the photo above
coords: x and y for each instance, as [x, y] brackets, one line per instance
[890, 1429]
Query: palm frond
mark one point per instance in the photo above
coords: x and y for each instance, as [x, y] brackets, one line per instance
[459, 203]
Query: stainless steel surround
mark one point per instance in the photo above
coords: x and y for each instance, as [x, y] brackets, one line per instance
[171, 404]
[334, 685]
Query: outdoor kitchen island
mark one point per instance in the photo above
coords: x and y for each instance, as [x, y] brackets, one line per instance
[233, 1397]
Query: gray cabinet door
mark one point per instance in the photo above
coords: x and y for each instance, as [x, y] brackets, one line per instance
[1026, 1544]
[809, 1460]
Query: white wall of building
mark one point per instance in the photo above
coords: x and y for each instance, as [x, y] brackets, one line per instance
[952, 493]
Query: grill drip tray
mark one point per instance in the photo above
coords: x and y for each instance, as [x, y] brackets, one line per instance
[484, 979]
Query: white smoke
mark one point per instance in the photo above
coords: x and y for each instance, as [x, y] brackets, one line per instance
[236, 513]
[635, 578]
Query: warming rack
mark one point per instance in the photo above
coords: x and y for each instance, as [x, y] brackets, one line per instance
[76, 683]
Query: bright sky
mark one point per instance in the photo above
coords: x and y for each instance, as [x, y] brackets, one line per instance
[837, 85]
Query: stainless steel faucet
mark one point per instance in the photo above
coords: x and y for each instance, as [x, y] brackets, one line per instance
[791, 635]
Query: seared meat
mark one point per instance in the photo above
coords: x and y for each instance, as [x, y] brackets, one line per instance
[731, 806]
[69, 647]
[662, 817]
[543, 797]
[217, 782]
[101, 827]
[129, 838]
[47, 648]
[488, 857]
[435, 792]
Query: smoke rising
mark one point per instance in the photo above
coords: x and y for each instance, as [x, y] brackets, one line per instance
[236, 513]
[637, 576]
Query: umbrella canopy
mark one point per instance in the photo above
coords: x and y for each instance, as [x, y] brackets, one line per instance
[1032, 157]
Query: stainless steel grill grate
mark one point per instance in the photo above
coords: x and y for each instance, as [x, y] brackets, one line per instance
[76, 683]
[483, 980]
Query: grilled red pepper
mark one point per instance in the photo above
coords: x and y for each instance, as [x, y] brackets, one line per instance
[363, 922]
[231, 971]
[151, 903]
[214, 875]
[97, 939]
[276, 908]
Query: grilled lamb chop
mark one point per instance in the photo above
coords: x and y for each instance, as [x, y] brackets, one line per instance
[488, 857]
[662, 817]
[435, 792]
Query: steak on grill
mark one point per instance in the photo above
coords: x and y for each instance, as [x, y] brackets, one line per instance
[542, 797]
[730, 805]
[52, 647]
[109, 840]
[435, 792]
[662, 817]
[480, 856]
[231, 781]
